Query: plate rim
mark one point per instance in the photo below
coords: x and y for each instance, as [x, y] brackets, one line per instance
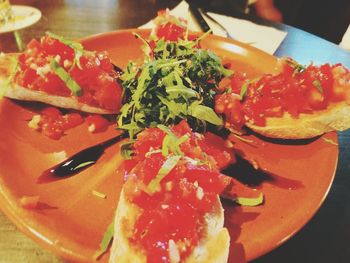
[62, 251]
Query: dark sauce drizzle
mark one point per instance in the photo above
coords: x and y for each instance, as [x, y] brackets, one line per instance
[78, 161]
[82, 159]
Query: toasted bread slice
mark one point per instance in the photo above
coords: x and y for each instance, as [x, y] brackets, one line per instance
[336, 117]
[17, 92]
[213, 248]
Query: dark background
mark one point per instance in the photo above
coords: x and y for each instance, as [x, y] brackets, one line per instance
[324, 18]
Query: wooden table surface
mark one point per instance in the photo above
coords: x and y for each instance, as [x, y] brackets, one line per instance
[324, 239]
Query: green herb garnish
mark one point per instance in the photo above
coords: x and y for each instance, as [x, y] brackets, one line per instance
[106, 240]
[82, 165]
[19, 41]
[126, 149]
[64, 75]
[77, 47]
[318, 85]
[171, 144]
[245, 86]
[168, 165]
[204, 113]
[245, 201]
[297, 68]
[244, 89]
[178, 81]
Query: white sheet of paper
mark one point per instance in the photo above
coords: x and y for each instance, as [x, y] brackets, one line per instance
[265, 38]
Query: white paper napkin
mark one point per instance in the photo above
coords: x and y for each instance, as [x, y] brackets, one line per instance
[345, 42]
[262, 37]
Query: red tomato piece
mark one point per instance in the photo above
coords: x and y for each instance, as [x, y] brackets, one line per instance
[53, 124]
[97, 123]
[294, 90]
[170, 32]
[95, 75]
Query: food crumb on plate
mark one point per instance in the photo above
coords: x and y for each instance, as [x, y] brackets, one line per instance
[29, 202]
[99, 194]
[59, 156]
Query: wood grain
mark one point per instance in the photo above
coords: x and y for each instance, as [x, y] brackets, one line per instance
[16, 247]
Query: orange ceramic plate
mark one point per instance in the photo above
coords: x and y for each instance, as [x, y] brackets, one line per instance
[70, 220]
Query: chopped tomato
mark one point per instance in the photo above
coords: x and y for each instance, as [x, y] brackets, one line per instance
[93, 72]
[169, 27]
[97, 123]
[316, 99]
[230, 105]
[237, 81]
[170, 32]
[186, 193]
[53, 123]
[52, 113]
[294, 90]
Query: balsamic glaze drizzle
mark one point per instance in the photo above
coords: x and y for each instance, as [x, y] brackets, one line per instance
[78, 161]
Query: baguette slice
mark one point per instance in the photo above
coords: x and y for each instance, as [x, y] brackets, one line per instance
[14, 91]
[335, 118]
[213, 248]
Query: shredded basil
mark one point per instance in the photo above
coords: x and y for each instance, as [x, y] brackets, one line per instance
[297, 68]
[106, 240]
[19, 41]
[318, 85]
[171, 144]
[244, 89]
[82, 165]
[245, 86]
[64, 75]
[168, 165]
[244, 201]
[77, 47]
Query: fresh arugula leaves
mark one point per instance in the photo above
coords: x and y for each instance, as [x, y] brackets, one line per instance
[177, 81]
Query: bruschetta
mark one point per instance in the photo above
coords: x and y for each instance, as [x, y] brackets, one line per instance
[300, 102]
[61, 73]
[169, 209]
[212, 247]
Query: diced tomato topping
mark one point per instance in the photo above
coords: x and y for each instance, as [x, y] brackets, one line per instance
[237, 81]
[169, 27]
[230, 105]
[170, 32]
[95, 74]
[97, 123]
[51, 113]
[294, 90]
[53, 123]
[149, 139]
[187, 192]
